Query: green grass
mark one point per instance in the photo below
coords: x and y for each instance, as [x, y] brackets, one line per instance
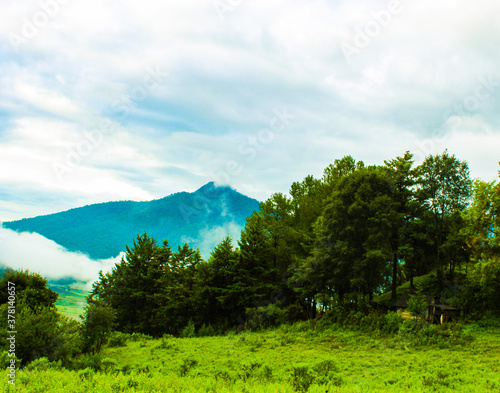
[427, 283]
[286, 359]
[71, 301]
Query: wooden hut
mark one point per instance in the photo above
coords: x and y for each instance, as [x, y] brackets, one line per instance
[440, 313]
[436, 311]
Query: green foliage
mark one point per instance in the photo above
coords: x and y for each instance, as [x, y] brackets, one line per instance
[417, 304]
[5, 360]
[31, 289]
[265, 316]
[69, 342]
[189, 330]
[392, 323]
[322, 373]
[117, 339]
[43, 364]
[319, 360]
[206, 331]
[302, 378]
[98, 320]
[41, 331]
[417, 333]
[88, 362]
[186, 366]
[353, 233]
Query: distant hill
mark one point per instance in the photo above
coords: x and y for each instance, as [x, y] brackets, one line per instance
[201, 218]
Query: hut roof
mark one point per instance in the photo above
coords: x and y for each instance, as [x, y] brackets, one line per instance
[445, 308]
[402, 302]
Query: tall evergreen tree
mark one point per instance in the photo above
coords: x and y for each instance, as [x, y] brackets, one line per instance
[354, 233]
[402, 178]
[444, 189]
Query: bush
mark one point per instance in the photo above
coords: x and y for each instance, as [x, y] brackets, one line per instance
[86, 374]
[263, 317]
[417, 333]
[88, 361]
[186, 366]
[108, 364]
[139, 337]
[43, 364]
[206, 331]
[167, 342]
[117, 339]
[392, 322]
[249, 370]
[302, 378]
[69, 342]
[417, 304]
[5, 360]
[322, 373]
[293, 313]
[189, 331]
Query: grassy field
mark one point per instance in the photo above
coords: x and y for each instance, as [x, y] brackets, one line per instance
[71, 301]
[286, 359]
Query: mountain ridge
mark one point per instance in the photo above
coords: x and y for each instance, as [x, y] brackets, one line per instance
[102, 230]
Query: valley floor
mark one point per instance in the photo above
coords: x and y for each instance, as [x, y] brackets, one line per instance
[282, 360]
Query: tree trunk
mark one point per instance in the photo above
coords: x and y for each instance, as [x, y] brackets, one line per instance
[394, 275]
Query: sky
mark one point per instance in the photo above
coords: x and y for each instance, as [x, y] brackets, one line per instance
[106, 100]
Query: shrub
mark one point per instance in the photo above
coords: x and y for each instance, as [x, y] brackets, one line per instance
[392, 322]
[189, 330]
[417, 304]
[249, 370]
[418, 333]
[205, 331]
[167, 342]
[89, 361]
[186, 366]
[263, 317]
[139, 337]
[293, 312]
[86, 374]
[302, 378]
[5, 360]
[43, 364]
[118, 339]
[108, 364]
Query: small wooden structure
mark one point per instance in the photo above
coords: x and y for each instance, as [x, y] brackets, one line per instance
[439, 313]
[436, 311]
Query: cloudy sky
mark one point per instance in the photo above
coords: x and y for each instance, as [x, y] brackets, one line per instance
[111, 100]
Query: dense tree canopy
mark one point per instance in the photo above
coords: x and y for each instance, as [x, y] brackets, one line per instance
[333, 243]
[341, 239]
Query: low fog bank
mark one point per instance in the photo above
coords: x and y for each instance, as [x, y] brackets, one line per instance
[33, 252]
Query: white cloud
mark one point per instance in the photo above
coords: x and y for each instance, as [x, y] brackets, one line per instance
[33, 252]
[220, 82]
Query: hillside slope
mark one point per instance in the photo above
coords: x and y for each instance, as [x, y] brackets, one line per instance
[102, 230]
